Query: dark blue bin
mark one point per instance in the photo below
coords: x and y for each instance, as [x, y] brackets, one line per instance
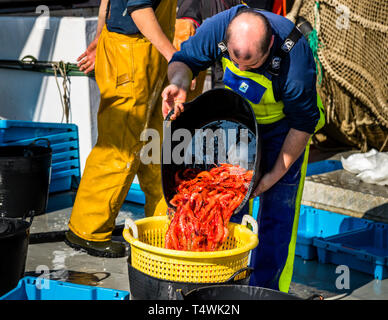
[32, 288]
[365, 250]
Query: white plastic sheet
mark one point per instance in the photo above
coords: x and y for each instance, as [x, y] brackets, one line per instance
[370, 167]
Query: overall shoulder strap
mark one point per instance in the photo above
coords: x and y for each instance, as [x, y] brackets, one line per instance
[285, 48]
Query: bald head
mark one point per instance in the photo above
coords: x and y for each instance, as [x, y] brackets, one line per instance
[248, 35]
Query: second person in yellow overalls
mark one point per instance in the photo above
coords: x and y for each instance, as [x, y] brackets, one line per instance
[132, 47]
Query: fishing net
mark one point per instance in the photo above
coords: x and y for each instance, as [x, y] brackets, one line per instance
[350, 44]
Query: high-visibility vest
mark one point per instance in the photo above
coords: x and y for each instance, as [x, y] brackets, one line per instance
[257, 88]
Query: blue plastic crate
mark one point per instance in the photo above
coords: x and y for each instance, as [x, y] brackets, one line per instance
[62, 180]
[365, 250]
[15, 130]
[32, 288]
[135, 194]
[315, 223]
[64, 143]
[323, 166]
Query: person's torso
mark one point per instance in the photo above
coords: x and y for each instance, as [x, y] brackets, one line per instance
[119, 21]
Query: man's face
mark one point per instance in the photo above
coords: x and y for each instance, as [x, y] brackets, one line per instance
[252, 59]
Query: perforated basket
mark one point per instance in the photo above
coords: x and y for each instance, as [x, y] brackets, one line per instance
[148, 255]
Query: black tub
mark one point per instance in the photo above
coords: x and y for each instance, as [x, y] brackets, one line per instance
[14, 239]
[24, 179]
[234, 292]
[145, 287]
[217, 109]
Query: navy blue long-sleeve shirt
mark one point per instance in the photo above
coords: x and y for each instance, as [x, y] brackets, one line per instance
[296, 84]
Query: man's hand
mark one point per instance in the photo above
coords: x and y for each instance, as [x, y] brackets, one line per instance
[87, 59]
[265, 183]
[293, 146]
[173, 99]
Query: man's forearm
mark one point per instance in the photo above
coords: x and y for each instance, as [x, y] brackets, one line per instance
[180, 75]
[101, 18]
[292, 148]
[148, 25]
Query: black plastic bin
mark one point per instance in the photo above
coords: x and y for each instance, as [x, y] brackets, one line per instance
[24, 179]
[14, 240]
[217, 110]
[235, 292]
[145, 287]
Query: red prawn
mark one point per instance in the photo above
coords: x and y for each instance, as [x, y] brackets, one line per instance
[205, 202]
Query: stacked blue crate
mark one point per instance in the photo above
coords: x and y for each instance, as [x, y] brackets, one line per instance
[64, 142]
[315, 223]
[365, 250]
[32, 288]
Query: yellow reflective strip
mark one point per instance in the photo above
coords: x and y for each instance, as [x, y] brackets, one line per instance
[286, 275]
[321, 121]
[270, 119]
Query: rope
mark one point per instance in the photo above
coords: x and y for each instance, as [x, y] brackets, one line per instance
[65, 99]
[315, 43]
[294, 12]
[57, 68]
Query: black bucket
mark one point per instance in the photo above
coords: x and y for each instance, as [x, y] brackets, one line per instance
[235, 292]
[145, 287]
[14, 240]
[24, 179]
[217, 109]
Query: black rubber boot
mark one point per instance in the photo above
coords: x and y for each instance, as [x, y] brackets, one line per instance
[107, 249]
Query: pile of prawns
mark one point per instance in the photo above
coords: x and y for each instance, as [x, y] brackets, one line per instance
[205, 202]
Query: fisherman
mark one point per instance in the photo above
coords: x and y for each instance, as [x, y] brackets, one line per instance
[268, 62]
[132, 47]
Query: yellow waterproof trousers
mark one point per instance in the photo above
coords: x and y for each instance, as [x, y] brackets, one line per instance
[131, 75]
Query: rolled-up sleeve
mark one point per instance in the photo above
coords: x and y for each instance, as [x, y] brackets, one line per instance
[133, 5]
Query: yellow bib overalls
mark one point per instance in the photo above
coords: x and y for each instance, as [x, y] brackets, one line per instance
[130, 74]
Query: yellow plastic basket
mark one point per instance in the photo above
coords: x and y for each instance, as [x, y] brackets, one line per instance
[148, 255]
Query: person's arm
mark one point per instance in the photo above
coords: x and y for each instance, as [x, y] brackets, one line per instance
[196, 54]
[87, 59]
[292, 148]
[299, 96]
[148, 25]
[175, 94]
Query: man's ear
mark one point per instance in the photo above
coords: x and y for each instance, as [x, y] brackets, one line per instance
[271, 43]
